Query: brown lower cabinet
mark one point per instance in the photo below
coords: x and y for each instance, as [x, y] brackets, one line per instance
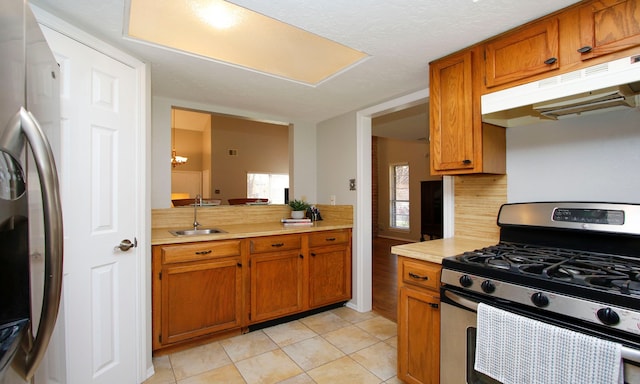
[418, 321]
[211, 289]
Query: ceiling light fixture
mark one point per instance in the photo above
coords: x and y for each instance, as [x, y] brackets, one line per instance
[175, 159]
[227, 33]
[218, 14]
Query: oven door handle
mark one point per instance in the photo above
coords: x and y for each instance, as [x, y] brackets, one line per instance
[629, 354]
[461, 301]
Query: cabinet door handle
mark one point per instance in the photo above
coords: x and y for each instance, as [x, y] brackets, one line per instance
[585, 49]
[550, 60]
[301, 256]
[418, 277]
[208, 251]
[313, 254]
[466, 161]
[277, 245]
[434, 305]
[239, 265]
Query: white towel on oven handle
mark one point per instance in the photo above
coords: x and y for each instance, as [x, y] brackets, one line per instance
[518, 350]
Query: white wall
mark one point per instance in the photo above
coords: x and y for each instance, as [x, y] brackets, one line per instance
[336, 158]
[589, 158]
[302, 152]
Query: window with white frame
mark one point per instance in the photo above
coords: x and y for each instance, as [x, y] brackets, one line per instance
[267, 185]
[399, 196]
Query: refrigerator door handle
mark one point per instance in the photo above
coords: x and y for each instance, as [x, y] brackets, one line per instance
[24, 124]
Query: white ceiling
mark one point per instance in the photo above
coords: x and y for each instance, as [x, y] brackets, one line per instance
[401, 37]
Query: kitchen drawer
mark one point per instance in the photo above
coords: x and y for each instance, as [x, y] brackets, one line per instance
[200, 251]
[323, 238]
[422, 274]
[276, 243]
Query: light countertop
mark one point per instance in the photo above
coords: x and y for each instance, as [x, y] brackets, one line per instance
[435, 250]
[235, 231]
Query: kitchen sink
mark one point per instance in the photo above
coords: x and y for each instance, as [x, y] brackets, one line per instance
[196, 232]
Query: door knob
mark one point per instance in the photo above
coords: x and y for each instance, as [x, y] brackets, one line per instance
[127, 244]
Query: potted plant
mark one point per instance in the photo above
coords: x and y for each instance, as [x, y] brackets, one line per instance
[299, 208]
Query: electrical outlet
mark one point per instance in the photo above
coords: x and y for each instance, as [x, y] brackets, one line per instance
[332, 199]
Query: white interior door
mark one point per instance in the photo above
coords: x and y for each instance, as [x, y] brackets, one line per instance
[99, 125]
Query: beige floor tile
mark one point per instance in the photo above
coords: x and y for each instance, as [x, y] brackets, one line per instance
[324, 322]
[228, 375]
[248, 345]
[343, 371]
[353, 316]
[302, 378]
[394, 380]
[350, 339]
[163, 371]
[289, 333]
[312, 352]
[379, 327]
[392, 341]
[381, 359]
[198, 360]
[270, 367]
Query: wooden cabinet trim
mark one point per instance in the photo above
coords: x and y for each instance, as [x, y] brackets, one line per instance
[318, 239]
[275, 243]
[608, 26]
[523, 53]
[179, 325]
[418, 336]
[180, 253]
[421, 274]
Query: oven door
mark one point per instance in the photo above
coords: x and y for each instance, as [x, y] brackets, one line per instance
[458, 341]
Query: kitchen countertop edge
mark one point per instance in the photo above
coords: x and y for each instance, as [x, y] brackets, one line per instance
[435, 250]
[162, 236]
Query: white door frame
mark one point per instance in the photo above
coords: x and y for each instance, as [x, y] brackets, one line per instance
[363, 233]
[139, 179]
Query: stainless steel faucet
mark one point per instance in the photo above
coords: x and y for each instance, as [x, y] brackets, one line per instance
[196, 202]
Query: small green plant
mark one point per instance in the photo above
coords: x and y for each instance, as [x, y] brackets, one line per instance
[298, 205]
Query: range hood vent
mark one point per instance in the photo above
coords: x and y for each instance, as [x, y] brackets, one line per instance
[606, 86]
[603, 99]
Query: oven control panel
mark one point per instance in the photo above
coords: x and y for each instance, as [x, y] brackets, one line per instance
[598, 313]
[589, 216]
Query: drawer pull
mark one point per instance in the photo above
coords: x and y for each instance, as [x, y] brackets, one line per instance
[331, 239]
[313, 254]
[277, 245]
[585, 49]
[418, 277]
[551, 60]
[208, 251]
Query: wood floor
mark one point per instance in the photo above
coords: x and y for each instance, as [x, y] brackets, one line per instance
[384, 279]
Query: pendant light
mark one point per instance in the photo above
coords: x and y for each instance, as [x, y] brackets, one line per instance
[175, 159]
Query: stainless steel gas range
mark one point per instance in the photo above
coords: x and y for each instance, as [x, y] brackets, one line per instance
[574, 266]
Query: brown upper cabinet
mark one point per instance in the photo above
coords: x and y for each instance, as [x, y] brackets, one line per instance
[608, 26]
[460, 143]
[523, 53]
[582, 35]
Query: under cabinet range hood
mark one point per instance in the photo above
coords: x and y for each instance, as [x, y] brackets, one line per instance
[603, 87]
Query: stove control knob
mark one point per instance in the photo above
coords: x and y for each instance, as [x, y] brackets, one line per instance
[608, 316]
[488, 286]
[466, 281]
[540, 299]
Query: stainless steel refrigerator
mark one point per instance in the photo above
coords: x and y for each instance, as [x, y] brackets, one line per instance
[30, 208]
